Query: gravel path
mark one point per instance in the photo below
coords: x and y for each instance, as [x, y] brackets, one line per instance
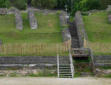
[54, 81]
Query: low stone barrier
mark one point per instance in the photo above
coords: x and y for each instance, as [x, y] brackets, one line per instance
[63, 18]
[102, 60]
[66, 35]
[28, 62]
[109, 13]
[18, 19]
[3, 11]
[80, 28]
[32, 19]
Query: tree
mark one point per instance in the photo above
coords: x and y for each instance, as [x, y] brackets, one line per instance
[20, 4]
[44, 3]
[4, 3]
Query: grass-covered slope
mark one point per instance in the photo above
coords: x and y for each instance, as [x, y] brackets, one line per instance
[48, 29]
[99, 32]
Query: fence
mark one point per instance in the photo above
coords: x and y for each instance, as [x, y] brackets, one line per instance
[33, 49]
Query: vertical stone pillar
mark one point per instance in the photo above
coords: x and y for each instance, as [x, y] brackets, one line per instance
[32, 19]
[18, 19]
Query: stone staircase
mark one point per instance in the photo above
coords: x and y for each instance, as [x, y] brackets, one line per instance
[65, 67]
[74, 35]
[102, 60]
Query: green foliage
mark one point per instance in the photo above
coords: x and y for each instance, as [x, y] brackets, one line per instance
[105, 3]
[107, 76]
[4, 3]
[44, 3]
[20, 4]
[85, 5]
[98, 30]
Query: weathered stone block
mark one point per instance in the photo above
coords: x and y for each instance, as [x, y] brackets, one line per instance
[3, 11]
[63, 18]
[19, 21]
[109, 18]
[109, 8]
[80, 28]
[32, 19]
[66, 35]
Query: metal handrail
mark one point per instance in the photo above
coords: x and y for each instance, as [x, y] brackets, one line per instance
[58, 65]
[71, 64]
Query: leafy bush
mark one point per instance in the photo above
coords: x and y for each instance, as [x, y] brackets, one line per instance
[20, 4]
[4, 3]
[85, 5]
[44, 3]
[104, 3]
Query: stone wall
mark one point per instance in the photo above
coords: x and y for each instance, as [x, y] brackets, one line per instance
[24, 66]
[109, 13]
[102, 60]
[3, 11]
[32, 19]
[18, 19]
[63, 18]
[80, 28]
[66, 35]
[27, 61]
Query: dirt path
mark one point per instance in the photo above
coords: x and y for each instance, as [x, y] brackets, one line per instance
[54, 81]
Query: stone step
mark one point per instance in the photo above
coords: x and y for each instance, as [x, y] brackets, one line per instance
[65, 72]
[64, 68]
[65, 76]
[103, 61]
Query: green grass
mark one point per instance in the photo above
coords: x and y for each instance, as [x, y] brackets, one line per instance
[42, 41]
[99, 33]
[49, 29]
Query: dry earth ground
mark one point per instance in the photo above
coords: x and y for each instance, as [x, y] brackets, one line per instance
[54, 81]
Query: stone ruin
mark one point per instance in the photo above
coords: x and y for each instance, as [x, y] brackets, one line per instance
[32, 19]
[19, 21]
[109, 13]
[3, 11]
[63, 18]
[109, 8]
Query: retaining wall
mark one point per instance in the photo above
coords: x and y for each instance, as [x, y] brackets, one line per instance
[28, 61]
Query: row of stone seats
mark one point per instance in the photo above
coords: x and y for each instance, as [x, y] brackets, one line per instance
[18, 17]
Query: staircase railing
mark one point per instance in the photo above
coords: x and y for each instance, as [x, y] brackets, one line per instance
[71, 64]
[58, 65]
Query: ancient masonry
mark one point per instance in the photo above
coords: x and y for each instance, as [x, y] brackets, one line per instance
[19, 21]
[32, 19]
[109, 13]
[63, 18]
[3, 11]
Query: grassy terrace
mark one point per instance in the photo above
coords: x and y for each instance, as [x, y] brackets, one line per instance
[48, 29]
[40, 42]
[99, 33]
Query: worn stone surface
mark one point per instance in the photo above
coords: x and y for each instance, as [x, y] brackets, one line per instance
[19, 21]
[45, 11]
[109, 8]
[24, 72]
[32, 19]
[63, 18]
[109, 18]
[66, 35]
[3, 11]
[28, 62]
[12, 10]
[80, 28]
[102, 72]
[102, 60]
